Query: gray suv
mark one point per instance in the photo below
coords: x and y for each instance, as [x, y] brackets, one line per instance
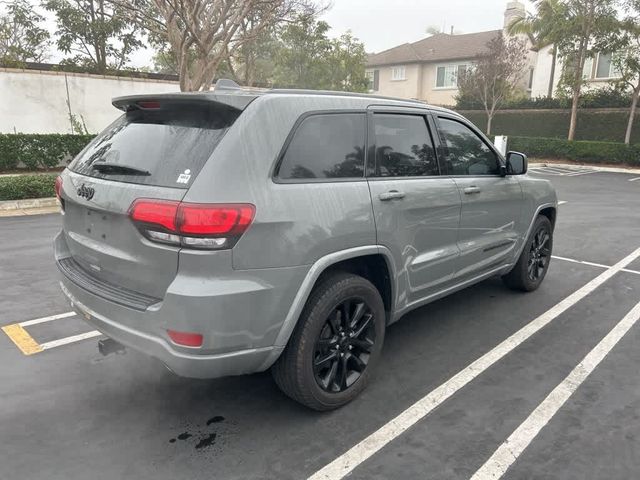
[234, 231]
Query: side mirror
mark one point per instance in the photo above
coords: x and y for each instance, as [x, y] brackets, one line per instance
[517, 163]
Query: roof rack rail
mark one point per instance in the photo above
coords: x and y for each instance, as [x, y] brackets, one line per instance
[226, 84]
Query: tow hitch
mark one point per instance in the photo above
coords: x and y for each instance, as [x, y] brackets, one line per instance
[107, 346]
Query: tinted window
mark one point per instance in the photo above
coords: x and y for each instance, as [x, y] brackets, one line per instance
[465, 153]
[326, 146]
[171, 143]
[403, 146]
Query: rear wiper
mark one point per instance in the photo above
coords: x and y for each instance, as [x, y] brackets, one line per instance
[118, 169]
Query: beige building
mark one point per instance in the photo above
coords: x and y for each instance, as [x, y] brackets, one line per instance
[428, 69]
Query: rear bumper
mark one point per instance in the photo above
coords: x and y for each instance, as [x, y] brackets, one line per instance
[239, 313]
[183, 364]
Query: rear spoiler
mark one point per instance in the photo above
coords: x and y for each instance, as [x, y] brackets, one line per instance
[235, 99]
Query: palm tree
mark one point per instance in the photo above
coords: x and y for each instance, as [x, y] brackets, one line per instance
[543, 30]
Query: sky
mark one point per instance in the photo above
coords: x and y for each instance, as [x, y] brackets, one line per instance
[383, 24]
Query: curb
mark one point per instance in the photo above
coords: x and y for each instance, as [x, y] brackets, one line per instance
[635, 171]
[28, 203]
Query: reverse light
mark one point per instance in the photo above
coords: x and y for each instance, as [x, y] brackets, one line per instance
[185, 339]
[192, 225]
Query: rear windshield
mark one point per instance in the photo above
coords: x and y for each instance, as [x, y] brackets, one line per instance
[166, 147]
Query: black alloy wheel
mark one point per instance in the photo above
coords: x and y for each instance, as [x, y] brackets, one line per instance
[539, 254]
[344, 346]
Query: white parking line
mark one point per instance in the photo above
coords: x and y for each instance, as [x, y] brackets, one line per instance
[591, 264]
[363, 450]
[27, 345]
[562, 202]
[68, 340]
[46, 319]
[634, 179]
[521, 438]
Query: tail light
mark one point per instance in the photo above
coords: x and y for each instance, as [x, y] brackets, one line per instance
[58, 189]
[185, 339]
[58, 186]
[192, 225]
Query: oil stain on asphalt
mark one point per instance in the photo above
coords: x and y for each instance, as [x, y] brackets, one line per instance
[205, 439]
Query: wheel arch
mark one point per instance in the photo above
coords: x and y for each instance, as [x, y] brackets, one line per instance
[361, 261]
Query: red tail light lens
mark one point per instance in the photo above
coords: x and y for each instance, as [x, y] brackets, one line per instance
[208, 220]
[149, 105]
[58, 187]
[186, 339]
[155, 212]
[192, 225]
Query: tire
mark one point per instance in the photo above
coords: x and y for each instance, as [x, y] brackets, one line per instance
[304, 370]
[533, 264]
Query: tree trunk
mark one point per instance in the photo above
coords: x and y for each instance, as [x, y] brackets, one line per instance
[574, 114]
[632, 114]
[489, 123]
[554, 60]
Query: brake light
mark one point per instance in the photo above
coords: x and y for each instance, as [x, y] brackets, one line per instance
[58, 187]
[214, 219]
[192, 225]
[149, 105]
[155, 212]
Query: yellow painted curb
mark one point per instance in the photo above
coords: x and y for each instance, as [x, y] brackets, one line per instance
[22, 339]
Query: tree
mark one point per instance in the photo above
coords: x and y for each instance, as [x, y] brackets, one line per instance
[97, 33]
[22, 39]
[202, 34]
[544, 28]
[495, 75]
[307, 58]
[627, 59]
[586, 27]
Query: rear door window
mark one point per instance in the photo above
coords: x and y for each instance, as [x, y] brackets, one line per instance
[165, 147]
[404, 147]
[326, 146]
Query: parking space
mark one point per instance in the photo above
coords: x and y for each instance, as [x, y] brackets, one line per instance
[458, 378]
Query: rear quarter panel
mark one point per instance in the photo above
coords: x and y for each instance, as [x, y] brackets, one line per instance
[295, 224]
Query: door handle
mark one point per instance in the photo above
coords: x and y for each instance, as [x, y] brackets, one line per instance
[471, 190]
[392, 195]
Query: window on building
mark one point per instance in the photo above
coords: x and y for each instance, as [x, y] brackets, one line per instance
[606, 67]
[587, 71]
[325, 147]
[447, 76]
[398, 73]
[403, 146]
[373, 77]
[531, 76]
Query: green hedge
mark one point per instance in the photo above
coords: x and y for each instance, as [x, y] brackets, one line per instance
[595, 125]
[35, 151]
[591, 152]
[20, 187]
[602, 98]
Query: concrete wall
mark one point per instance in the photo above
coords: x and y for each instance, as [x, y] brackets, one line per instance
[35, 101]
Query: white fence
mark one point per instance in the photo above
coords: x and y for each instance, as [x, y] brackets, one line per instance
[33, 101]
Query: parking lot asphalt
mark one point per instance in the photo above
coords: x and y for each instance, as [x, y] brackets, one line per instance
[69, 413]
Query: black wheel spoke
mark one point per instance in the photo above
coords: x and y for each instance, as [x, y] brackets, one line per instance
[364, 345]
[320, 362]
[334, 321]
[341, 380]
[357, 315]
[363, 325]
[330, 377]
[358, 364]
